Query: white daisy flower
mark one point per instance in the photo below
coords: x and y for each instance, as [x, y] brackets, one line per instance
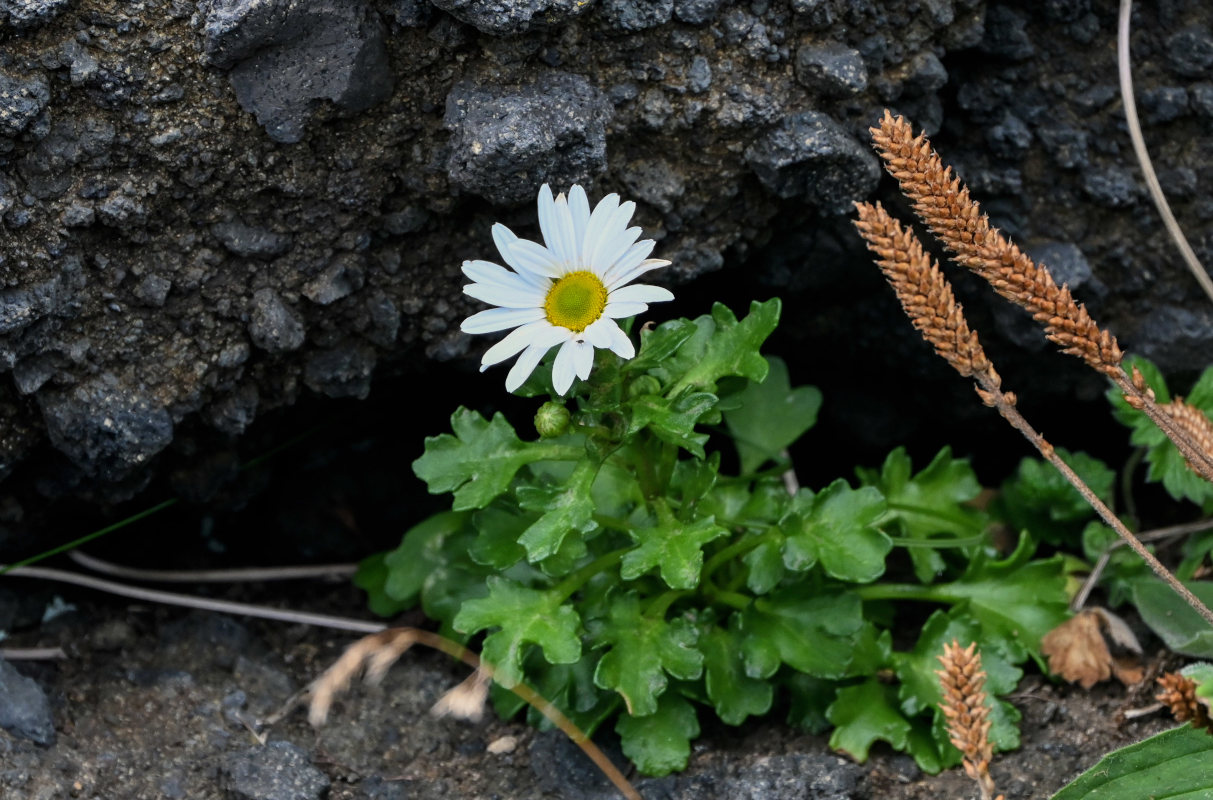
[567, 291]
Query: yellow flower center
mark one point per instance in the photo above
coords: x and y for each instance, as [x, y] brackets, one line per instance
[576, 301]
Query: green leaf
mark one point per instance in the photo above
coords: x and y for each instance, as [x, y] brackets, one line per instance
[734, 694]
[498, 528]
[1016, 600]
[658, 344]
[815, 634]
[721, 346]
[837, 527]
[661, 742]
[524, 616]
[674, 420]
[421, 550]
[1039, 499]
[565, 509]
[928, 504]
[1173, 764]
[479, 461]
[642, 650]
[864, 714]
[371, 578]
[765, 564]
[771, 416]
[674, 547]
[1176, 623]
[809, 698]
[692, 479]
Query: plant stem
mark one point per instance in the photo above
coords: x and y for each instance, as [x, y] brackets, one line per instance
[902, 591]
[577, 579]
[955, 519]
[1005, 403]
[662, 603]
[725, 598]
[737, 548]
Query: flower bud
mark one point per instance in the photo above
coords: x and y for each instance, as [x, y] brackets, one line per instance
[552, 419]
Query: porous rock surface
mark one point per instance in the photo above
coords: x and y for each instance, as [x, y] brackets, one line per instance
[210, 208]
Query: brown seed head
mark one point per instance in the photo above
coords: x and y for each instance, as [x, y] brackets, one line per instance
[944, 204]
[1194, 422]
[1179, 694]
[964, 706]
[924, 293]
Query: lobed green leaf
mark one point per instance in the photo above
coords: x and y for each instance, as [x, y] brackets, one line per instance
[771, 415]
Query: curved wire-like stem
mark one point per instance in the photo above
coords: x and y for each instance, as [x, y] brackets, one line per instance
[201, 603]
[1124, 70]
[238, 575]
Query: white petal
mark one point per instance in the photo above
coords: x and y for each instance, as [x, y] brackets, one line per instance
[563, 368]
[547, 217]
[621, 310]
[498, 319]
[537, 259]
[612, 248]
[579, 205]
[583, 359]
[632, 258]
[513, 343]
[598, 228]
[640, 293]
[598, 334]
[505, 239]
[530, 297]
[636, 272]
[621, 345]
[525, 365]
[493, 274]
[565, 244]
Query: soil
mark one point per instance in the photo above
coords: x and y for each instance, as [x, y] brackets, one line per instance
[157, 702]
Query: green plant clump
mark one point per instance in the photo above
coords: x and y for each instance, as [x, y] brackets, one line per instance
[613, 566]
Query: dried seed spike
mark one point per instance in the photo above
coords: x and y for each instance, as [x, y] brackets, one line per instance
[964, 706]
[944, 204]
[924, 293]
[1193, 422]
[1179, 694]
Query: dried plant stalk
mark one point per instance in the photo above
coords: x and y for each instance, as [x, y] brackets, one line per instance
[927, 299]
[964, 706]
[377, 652]
[1194, 422]
[945, 206]
[1179, 694]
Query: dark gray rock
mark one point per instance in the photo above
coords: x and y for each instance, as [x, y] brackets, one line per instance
[25, 710]
[250, 241]
[341, 371]
[696, 12]
[1189, 52]
[1175, 337]
[506, 142]
[699, 76]
[1112, 186]
[24, 14]
[797, 776]
[1009, 138]
[410, 13]
[511, 16]
[107, 428]
[1164, 104]
[276, 771]
[22, 98]
[811, 157]
[153, 290]
[273, 326]
[344, 275]
[285, 56]
[636, 15]
[831, 69]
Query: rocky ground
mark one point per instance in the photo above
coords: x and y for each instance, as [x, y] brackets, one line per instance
[158, 703]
